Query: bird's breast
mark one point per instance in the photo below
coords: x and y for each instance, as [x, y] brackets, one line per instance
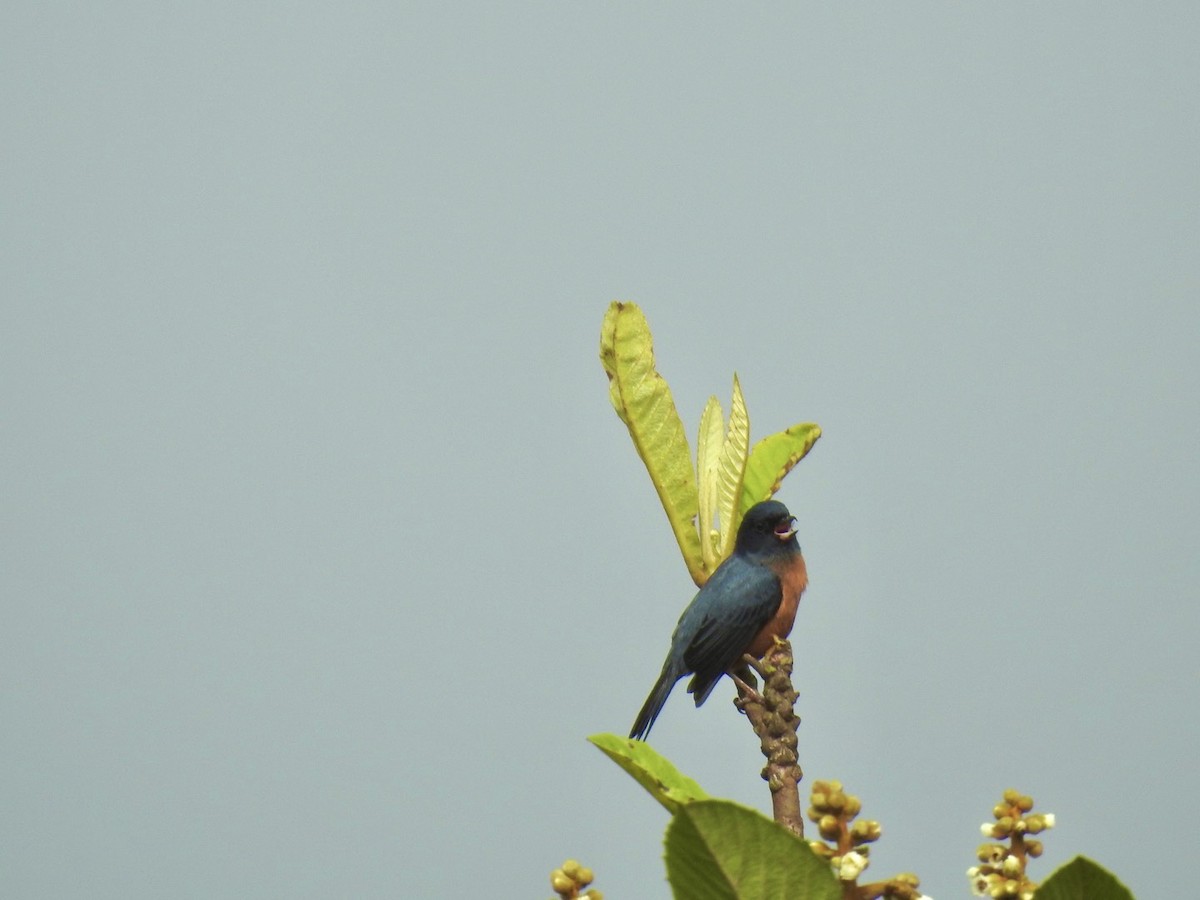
[793, 579]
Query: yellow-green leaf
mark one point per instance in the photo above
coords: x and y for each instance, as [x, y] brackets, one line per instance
[651, 770]
[608, 356]
[732, 469]
[643, 400]
[772, 458]
[708, 457]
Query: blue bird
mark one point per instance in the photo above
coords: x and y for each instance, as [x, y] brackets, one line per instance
[746, 603]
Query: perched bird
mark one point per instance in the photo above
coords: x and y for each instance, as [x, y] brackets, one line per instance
[746, 603]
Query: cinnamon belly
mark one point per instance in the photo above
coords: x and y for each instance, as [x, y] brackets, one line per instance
[793, 578]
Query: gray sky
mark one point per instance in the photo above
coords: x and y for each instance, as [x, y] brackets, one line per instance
[323, 550]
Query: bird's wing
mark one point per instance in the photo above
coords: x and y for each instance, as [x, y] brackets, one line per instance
[732, 607]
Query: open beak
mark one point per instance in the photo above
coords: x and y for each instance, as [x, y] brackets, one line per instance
[786, 529]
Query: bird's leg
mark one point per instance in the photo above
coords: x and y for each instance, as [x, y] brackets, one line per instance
[744, 679]
[747, 685]
[750, 662]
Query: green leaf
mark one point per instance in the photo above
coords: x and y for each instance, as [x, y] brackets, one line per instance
[643, 401]
[608, 355]
[732, 469]
[708, 458]
[1082, 879]
[651, 770]
[718, 850]
[772, 458]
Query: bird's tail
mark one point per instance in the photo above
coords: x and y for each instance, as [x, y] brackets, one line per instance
[655, 702]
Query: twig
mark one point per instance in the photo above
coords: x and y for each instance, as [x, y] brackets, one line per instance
[772, 714]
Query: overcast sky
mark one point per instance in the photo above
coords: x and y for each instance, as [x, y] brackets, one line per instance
[323, 550]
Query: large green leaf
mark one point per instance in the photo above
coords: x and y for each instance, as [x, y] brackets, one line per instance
[732, 469]
[651, 770]
[1082, 879]
[772, 458]
[718, 850]
[709, 444]
[643, 401]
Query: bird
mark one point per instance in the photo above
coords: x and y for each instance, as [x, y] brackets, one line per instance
[746, 603]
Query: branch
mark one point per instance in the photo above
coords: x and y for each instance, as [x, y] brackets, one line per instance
[773, 716]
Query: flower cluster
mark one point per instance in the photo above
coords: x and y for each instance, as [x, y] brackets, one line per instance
[844, 842]
[1001, 873]
[571, 878]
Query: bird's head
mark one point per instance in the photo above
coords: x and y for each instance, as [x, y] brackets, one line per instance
[767, 527]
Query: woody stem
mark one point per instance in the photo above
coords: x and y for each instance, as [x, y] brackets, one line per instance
[773, 717]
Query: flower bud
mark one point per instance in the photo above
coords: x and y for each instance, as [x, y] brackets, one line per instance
[865, 831]
[1039, 822]
[991, 853]
[821, 849]
[561, 882]
[830, 827]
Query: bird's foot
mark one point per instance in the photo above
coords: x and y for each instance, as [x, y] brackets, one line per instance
[747, 687]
